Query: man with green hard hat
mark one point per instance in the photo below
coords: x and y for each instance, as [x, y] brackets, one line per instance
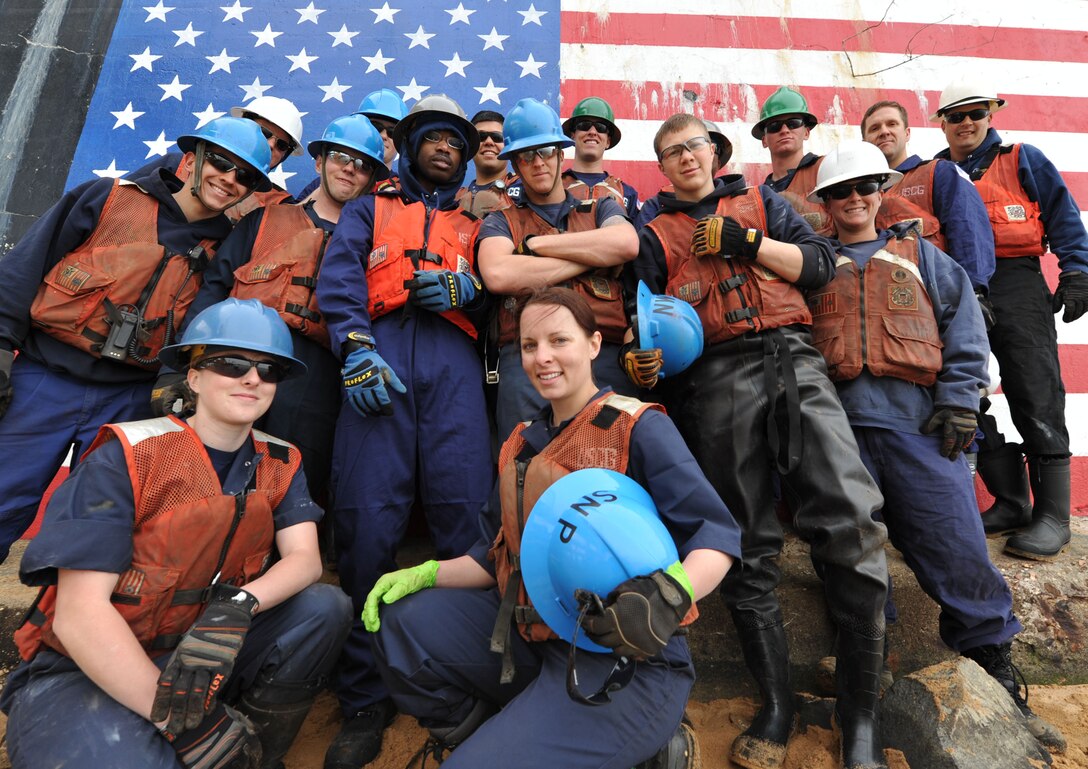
[783, 127]
[592, 127]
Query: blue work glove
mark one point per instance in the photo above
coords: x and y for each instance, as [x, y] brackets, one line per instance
[442, 290]
[365, 376]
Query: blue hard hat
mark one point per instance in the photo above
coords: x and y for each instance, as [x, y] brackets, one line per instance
[672, 325]
[236, 324]
[354, 132]
[531, 124]
[384, 103]
[238, 136]
[592, 530]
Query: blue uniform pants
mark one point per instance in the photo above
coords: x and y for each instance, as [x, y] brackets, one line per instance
[50, 411]
[433, 653]
[57, 717]
[932, 518]
[518, 399]
[436, 443]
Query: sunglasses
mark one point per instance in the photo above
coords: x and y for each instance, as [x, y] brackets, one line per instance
[692, 145]
[544, 153]
[959, 117]
[236, 367]
[585, 125]
[344, 159]
[454, 142]
[283, 145]
[774, 126]
[843, 191]
[247, 177]
[495, 136]
[383, 127]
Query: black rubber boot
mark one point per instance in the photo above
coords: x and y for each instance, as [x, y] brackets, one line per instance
[277, 711]
[1048, 533]
[1006, 478]
[860, 662]
[996, 659]
[680, 752]
[360, 738]
[444, 739]
[763, 744]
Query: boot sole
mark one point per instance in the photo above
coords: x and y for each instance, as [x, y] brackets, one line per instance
[1033, 555]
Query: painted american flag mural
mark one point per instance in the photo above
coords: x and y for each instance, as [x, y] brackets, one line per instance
[172, 67]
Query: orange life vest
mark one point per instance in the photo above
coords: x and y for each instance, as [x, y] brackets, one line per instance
[802, 183]
[1016, 219]
[185, 531]
[601, 287]
[283, 268]
[588, 441]
[911, 200]
[609, 187]
[880, 318]
[120, 268]
[731, 296]
[438, 240]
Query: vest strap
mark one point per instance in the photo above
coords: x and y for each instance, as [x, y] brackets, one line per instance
[734, 282]
[735, 316]
[307, 281]
[302, 311]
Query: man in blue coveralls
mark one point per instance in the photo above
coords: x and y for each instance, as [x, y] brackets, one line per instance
[397, 288]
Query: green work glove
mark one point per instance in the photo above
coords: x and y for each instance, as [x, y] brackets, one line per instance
[395, 585]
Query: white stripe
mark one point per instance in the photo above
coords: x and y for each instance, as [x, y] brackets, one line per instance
[1076, 419]
[1039, 14]
[668, 64]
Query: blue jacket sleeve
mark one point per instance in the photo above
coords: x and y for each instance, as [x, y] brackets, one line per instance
[966, 225]
[1061, 215]
[341, 284]
[966, 353]
[630, 196]
[646, 214]
[233, 253]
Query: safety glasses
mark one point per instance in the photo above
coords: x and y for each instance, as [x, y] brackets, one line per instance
[544, 153]
[843, 191]
[236, 367]
[495, 136]
[692, 145]
[344, 159]
[434, 137]
[774, 126]
[974, 114]
[584, 125]
[245, 176]
[283, 145]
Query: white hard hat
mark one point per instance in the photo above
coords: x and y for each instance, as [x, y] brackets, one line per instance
[966, 92]
[852, 160]
[277, 111]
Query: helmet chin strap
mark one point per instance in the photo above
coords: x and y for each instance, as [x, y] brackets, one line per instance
[197, 177]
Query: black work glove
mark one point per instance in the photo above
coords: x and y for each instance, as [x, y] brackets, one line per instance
[7, 357]
[957, 427]
[987, 307]
[1073, 294]
[171, 395]
[723, 236]
[224, 739]
[641, 615]
[641, 364]
[203, 660]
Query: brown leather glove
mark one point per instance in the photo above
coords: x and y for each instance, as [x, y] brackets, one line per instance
[957, 427]
[171, 395]
[642, 365]
[640, 616]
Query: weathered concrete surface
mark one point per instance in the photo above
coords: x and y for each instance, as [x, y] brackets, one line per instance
[953, 715]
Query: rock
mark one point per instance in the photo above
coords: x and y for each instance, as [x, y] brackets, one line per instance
[953, 715]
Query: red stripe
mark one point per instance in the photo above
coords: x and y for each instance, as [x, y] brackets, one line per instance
[729, 101]
[1078, 493]
[773, 33]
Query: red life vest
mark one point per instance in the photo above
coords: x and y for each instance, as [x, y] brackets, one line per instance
[120, 267]
[480, 203]
[1016, 219]
[911, 200]
[181, 533]
[283, 267]
[601, 287]
[802, 183]
[731, 296]
[609, 187]
[880, 318]
[439, 240]
[588, 441]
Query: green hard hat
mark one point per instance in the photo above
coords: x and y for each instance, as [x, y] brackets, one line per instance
[784, 101]
[594, 107]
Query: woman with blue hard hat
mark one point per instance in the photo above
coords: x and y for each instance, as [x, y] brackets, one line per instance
[180, 622]
[629, 520]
